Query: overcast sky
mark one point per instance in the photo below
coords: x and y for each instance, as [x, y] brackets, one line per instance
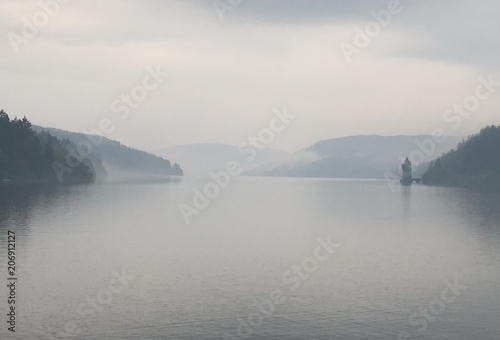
[227, 76]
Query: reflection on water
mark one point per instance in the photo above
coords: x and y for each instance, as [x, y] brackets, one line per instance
[198, 281]
[405, 201]
[17, 202]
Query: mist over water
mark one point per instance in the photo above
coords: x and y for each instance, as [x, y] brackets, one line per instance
[397, 253]
[241, 170]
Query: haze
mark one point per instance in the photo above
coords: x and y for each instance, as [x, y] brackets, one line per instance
[226, 76]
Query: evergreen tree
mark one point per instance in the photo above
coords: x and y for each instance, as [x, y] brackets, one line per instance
[26, 155]
[475, 163]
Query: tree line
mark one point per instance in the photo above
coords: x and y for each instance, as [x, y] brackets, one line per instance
[475, 163]
[27, 155]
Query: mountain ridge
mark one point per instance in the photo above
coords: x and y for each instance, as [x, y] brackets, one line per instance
[359, 156]
[119, 160]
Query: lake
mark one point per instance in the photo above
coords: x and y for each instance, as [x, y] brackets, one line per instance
[269, 258]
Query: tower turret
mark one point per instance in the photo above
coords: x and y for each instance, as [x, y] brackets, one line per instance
[407, 172]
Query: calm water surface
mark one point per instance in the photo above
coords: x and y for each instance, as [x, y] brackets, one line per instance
[418, 263]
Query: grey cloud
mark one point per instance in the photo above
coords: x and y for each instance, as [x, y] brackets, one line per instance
[227, 76]
[455, 30]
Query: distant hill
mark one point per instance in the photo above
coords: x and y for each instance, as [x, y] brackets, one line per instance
[200, 159]
[474, 164]
[364, 157]
[118, 160]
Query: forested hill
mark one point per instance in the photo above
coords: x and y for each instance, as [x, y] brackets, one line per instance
[370, 157]
[474, 164]
[120, 161]
[30, 156]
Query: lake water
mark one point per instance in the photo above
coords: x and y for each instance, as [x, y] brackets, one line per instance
[419, 260]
